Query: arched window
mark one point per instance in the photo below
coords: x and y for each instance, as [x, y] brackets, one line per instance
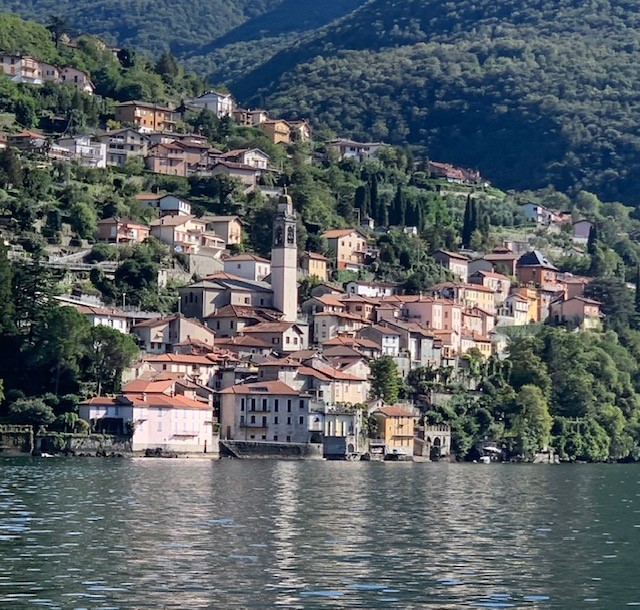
[291, 236]
[279, 237]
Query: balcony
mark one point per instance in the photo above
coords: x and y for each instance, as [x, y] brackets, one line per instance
[253, 425]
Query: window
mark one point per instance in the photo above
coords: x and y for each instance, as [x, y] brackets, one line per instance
[288, 340]
[289, 406]
[239, 266]
[288, 439]
[264, 404]
[302, 420]
[217, 324]
[275, 437]
[247, 300]
[231, 324]
[276, 404]
[264, 437]
[302, 404]
[160, 426]
[275, 419]
[242, 404]
[242, 419]
[289, 420]
[253, 404]
[253, 419]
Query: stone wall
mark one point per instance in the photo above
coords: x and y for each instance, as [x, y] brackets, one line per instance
[267, 450]
[15, 440]
[82, 444]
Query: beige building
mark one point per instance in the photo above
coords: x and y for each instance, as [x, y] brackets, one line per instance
[186, 234]
[458, 264]
[314, 264]
[348, 247]
[227, 227]
[279, 131]
[159, 335]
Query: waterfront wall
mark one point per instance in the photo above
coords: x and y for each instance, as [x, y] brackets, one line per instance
[15, 440]
[82, 444]
[268, 450]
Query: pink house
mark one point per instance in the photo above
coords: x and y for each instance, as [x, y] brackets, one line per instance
[158, 416]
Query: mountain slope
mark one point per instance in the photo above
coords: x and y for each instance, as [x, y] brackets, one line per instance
[532, 96]
[152, 25]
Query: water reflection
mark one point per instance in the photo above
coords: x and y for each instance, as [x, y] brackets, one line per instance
[199, 534]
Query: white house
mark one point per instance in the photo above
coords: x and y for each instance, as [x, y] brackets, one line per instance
[79, 79]
[84, 151]
[351, 149]
[248, 266]
[165, 204]
[222, 104]
[372, 289]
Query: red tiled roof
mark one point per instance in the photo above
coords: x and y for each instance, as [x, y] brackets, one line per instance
[391, 411]
[265, 387]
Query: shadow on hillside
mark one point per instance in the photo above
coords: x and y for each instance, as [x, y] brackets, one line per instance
[291, 16]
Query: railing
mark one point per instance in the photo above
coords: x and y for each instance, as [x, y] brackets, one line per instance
[253, 425]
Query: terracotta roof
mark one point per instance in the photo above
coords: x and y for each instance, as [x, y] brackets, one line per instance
[89, 310]
[280, 362]
[265, 387]
[315, 256]
[391, 411]
[244, 311]
[328, 299]
[180, 359]
[335, 233]
[247, 257]
[242, 341]
[149, 196]
[492, 275]
[268, 327]
[151, 386]
[174, 221]
[453, 255]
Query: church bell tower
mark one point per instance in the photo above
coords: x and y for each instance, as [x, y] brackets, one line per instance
[284, 260]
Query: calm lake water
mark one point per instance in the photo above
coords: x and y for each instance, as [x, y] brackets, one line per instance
[92, 533]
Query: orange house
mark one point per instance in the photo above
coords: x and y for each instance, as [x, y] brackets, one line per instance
[146, 117]
[121, 230]
[534, 267]
[278, 131]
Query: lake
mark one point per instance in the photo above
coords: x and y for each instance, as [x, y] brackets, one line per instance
[144, 533]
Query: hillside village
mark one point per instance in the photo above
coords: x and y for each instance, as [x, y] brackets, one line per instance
[269, 350]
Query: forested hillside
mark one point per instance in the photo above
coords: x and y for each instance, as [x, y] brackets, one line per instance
[533, 95]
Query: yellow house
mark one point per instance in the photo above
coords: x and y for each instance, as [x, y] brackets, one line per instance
[278, 131]
[533, 300]
[314, 264]
[395, 429]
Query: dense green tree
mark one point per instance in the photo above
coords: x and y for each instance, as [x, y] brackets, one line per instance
[32, 411]
[385, 381]
[111, 352]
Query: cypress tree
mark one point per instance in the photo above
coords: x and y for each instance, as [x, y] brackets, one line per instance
[638, 289]
[363, 200]
[7, 312]
[593, 238]
[373, 191]
[466, 225]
